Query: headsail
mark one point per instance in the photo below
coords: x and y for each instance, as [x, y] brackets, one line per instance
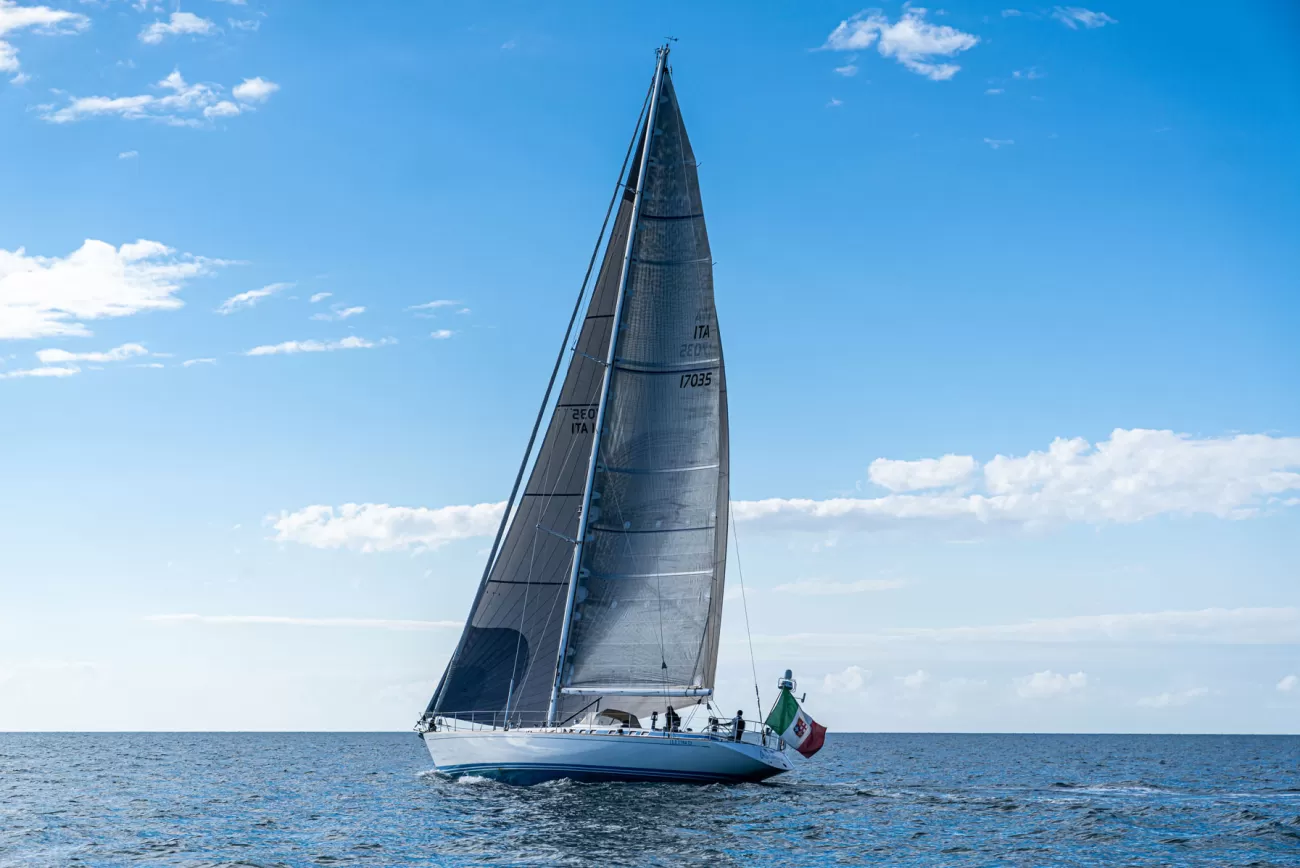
[649, 596]
[514, 629]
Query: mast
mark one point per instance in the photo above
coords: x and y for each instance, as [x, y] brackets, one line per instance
[583, 515]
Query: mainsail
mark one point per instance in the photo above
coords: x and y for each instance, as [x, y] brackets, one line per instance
[639, 616]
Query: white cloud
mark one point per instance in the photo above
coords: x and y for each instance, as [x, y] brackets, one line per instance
[38, 19]
[1047, 684]
[150, 365]
[254, 90]
[279, 620]
[339, 312]
[179, 103]
[735, 592]
[43, 668]
[1074, 16]
[1168, 700]
[917, 475]
[250, 298]
[917, 679]
[821, 588]
[848, 70]
[128, 155]
[117, 354]
[223, 109]
[1010, 13]
[189, 363]
[1032, 73]
[848, 681]
[441, 334]
[434, 305]
[912, 41]
[47, 296]
[378, 527]
[179, 24]
[246, 24]
[993, 91]
[314, 346]
[1226, 626]
[998, 143]
[320, 296]
[1135, 475]
[1288, 683]
[1243, 626]
[834, 103]
[41, 372]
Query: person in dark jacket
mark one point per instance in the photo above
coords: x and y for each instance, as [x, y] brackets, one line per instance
[672, 721]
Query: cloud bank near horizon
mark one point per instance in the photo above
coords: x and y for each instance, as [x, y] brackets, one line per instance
[1134, 475]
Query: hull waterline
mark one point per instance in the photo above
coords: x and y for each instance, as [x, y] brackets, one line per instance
[526, 757]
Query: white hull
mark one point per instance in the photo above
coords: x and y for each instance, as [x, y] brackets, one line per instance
[530, 756]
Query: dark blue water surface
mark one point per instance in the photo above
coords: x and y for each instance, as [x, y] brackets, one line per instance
[370, 799]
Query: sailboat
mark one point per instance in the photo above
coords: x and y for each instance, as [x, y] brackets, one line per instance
[596, 623]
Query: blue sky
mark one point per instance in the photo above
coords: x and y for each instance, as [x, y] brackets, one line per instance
[1009, 303]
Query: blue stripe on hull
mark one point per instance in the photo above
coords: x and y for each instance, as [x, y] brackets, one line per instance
[527, 774]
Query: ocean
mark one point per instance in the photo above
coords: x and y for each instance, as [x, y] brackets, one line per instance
[209, 799]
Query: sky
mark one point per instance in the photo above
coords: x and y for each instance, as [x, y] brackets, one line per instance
[1009, 298]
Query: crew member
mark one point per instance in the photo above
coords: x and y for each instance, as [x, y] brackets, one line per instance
[738, 723]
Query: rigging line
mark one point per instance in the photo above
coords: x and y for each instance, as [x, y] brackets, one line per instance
[555, 598]
[627, 547]
[523, 613]
[546, 502]
[559, 358]
[744, 599]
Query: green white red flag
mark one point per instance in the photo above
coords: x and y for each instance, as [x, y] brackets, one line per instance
[794, 725]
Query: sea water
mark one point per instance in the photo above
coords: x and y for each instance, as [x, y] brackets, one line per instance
[372, 800]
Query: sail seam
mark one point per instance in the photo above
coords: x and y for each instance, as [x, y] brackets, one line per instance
[616, 576]
[649, 470]
[670, 368]
[653, 530]
[671, 261]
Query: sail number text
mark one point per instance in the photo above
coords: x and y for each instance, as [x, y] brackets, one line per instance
[582, 420]
[691, 381]
[697, 348]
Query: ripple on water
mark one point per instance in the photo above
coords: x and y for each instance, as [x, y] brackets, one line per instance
[371, 800]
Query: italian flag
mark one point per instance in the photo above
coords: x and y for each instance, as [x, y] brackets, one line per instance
[794, 725]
